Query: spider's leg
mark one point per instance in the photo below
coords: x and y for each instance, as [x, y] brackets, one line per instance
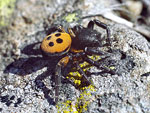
[104, 26]
[90, 25]
[100, 66]
[96, 51]
[82, 73]
[57, 82]
[62, 63]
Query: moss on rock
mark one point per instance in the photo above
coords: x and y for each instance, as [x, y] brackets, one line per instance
[6, 9]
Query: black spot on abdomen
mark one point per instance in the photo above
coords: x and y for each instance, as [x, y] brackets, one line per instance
[48, 37]
[59, 40]
[51, 44]
[57, 34]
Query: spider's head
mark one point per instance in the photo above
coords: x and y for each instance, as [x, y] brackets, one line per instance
[56, 44]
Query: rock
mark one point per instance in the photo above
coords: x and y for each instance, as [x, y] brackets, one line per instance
[22, 64]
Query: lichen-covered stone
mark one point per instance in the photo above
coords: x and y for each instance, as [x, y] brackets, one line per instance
[21, 63]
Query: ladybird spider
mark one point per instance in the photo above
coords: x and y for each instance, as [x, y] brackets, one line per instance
[75, 47]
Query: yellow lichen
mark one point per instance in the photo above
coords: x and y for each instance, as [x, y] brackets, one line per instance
[6, 9]
[75, 75]
[85, 98]
[112, 67]
[81, 102]
[71, 17]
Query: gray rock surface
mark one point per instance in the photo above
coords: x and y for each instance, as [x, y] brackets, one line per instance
[126, 92]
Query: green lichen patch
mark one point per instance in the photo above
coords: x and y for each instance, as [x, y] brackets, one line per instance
[6, 9]
[71, 17]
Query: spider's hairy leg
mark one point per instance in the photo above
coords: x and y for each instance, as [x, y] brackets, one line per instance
[62, 63]
[96, 51]
[82, 72]
[57, 82]
[104, 26]
[100, 66]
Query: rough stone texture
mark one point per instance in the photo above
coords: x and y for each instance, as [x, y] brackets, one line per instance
[127, 92]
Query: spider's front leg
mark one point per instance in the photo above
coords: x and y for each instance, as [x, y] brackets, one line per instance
[62, 63]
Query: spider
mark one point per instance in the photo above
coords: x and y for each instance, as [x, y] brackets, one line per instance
[74, 47]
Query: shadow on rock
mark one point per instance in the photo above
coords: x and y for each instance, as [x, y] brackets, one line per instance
[30, 62]
[33, 61]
